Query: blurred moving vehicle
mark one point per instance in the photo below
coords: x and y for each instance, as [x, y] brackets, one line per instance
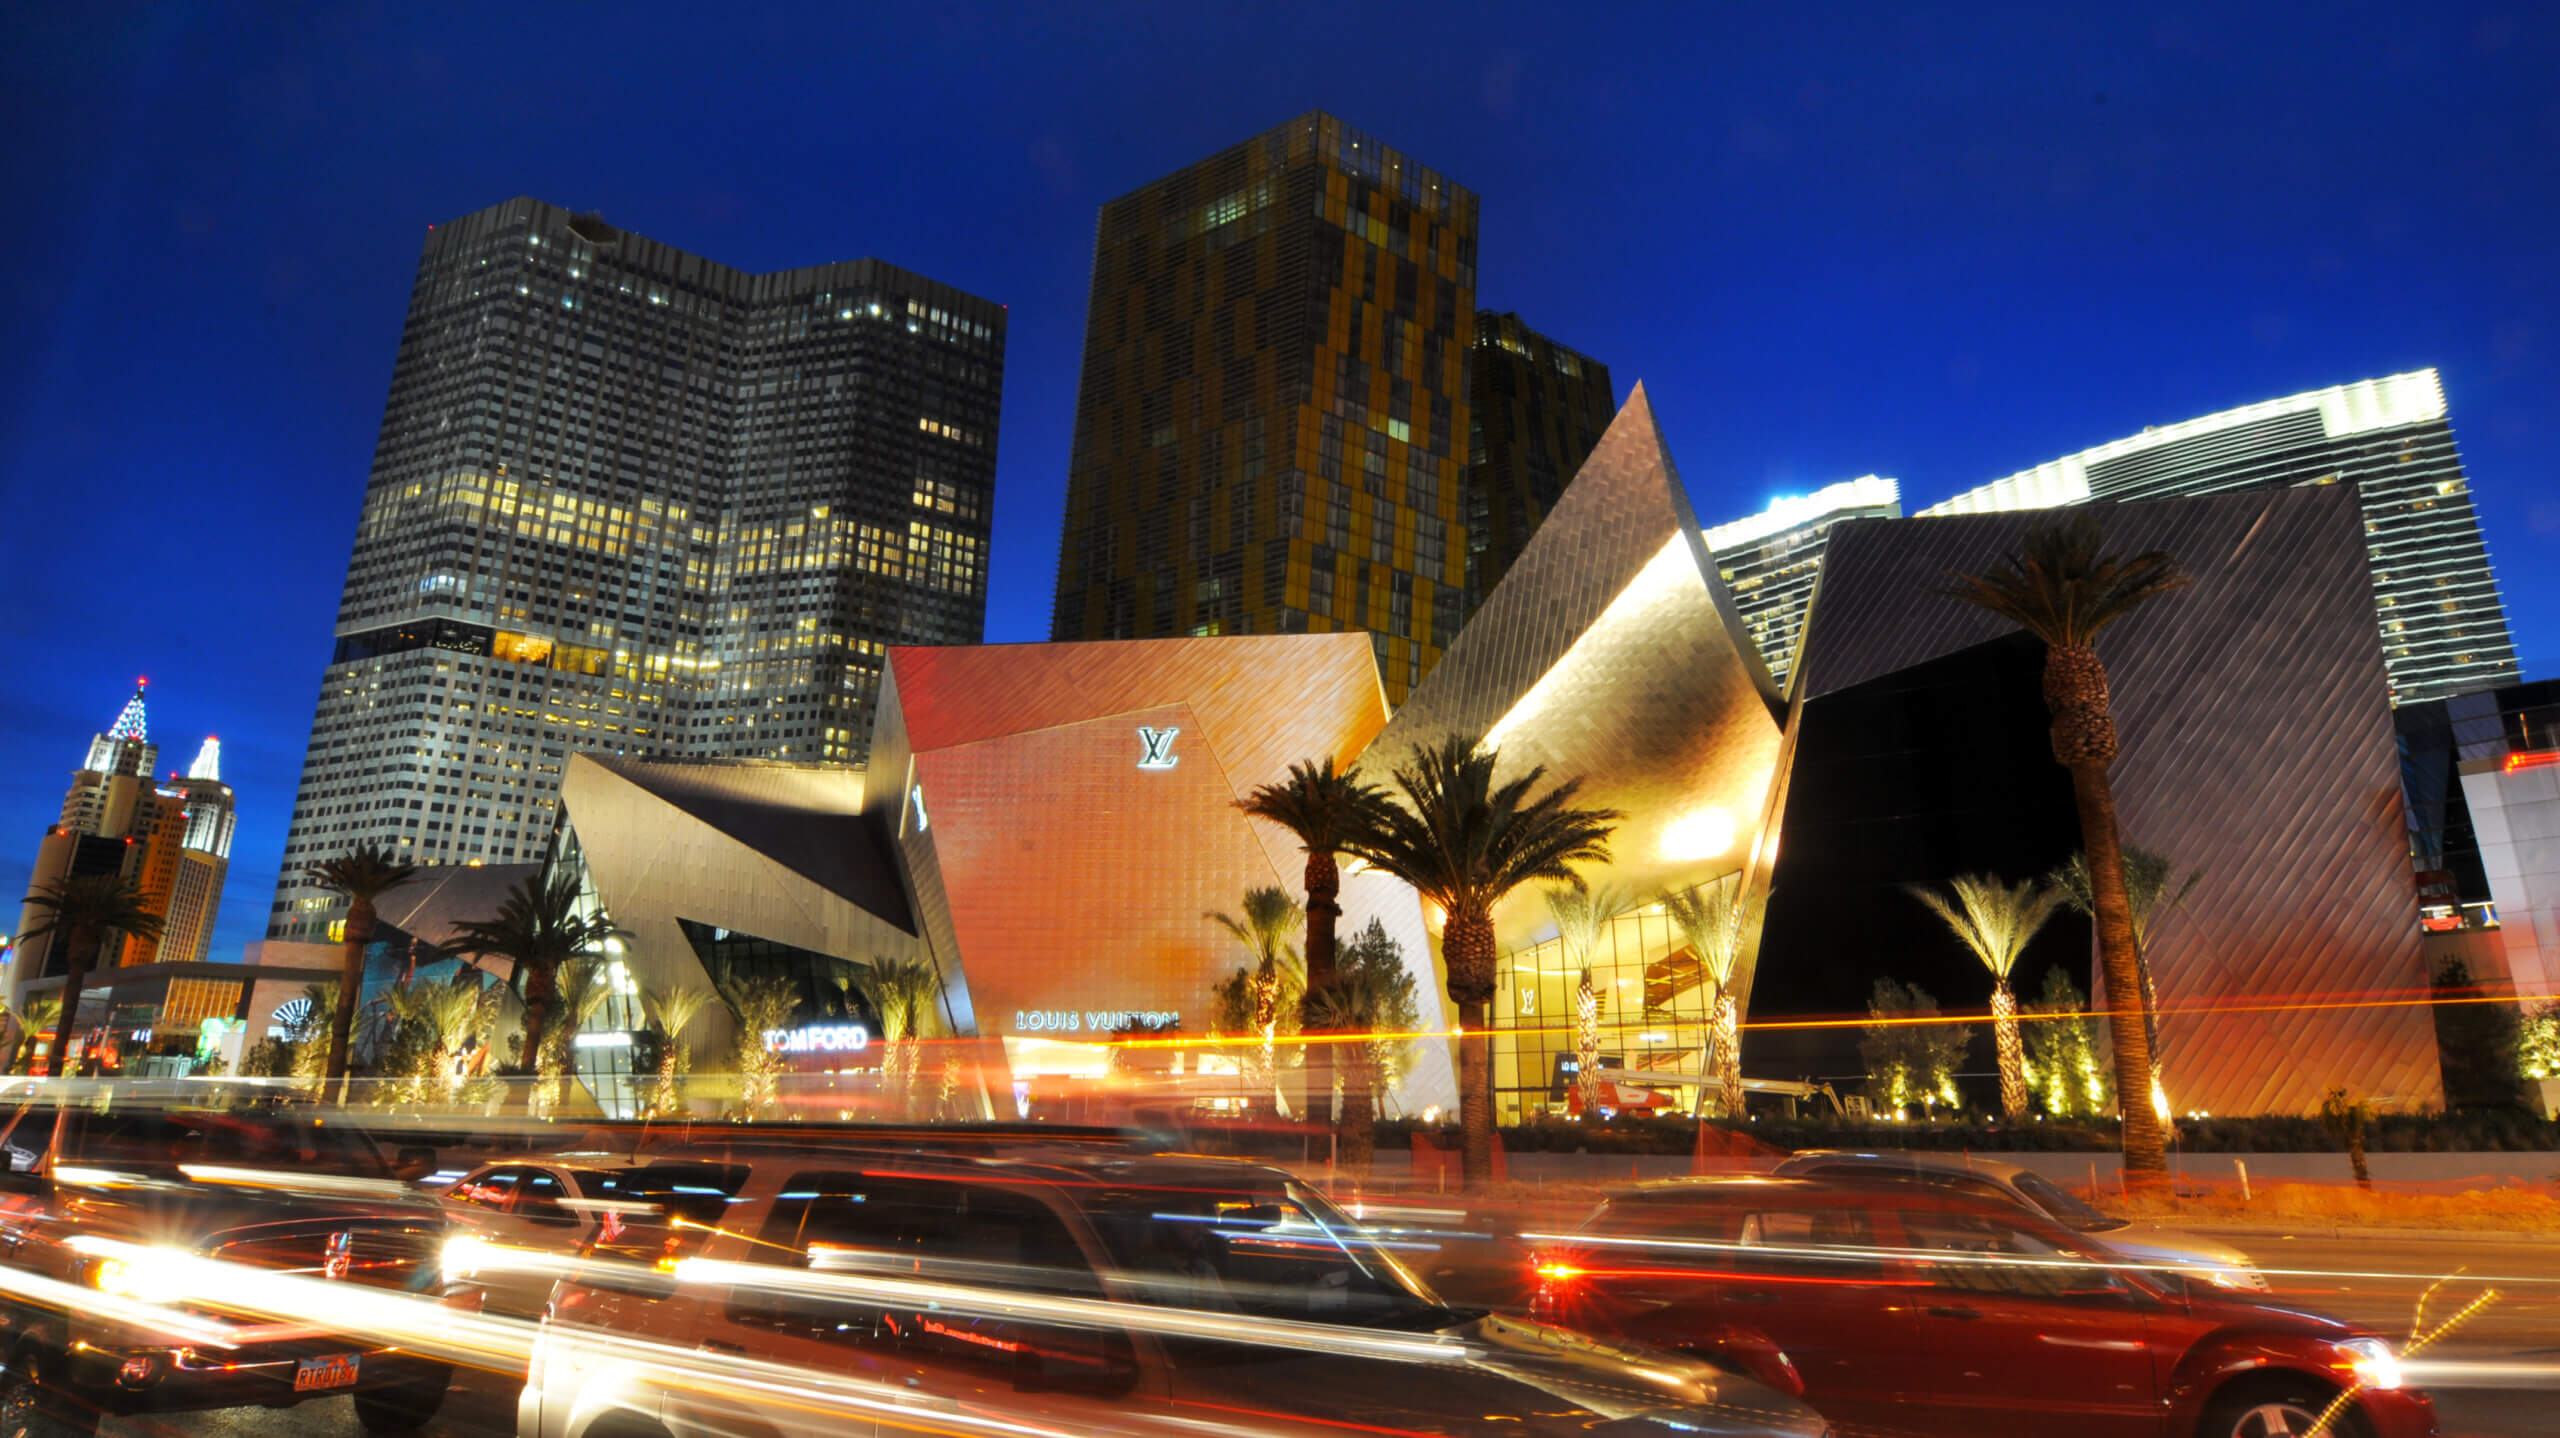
[1897, 1307]
[546, 1203]
[94, 1319]
[836, 1289]
[2148, 1245]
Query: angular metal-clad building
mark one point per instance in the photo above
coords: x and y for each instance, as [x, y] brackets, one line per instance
[2258, 750]
[1064, 816]
[1610, 652]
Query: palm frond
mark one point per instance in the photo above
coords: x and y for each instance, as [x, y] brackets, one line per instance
[1707, 921]
[1992, 919]
[1321, 806]
[2063, 586]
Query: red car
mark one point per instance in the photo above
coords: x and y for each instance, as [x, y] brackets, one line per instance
[1894, 1308]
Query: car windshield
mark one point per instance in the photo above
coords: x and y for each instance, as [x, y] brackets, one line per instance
[1264, 1250]
[159, 1139]
[2061, 1206]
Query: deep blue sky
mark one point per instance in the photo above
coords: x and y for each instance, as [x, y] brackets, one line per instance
[1830, 243]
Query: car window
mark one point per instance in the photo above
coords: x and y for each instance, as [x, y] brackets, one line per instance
[1976, 1253]
[1807, 1242]
[157, 1138]
[538, 1199]
[1692, 1234]
[973, 1235]
[2062, 1206]
[663, 1212]
[30, 1134]
[490, 1188]
[1265, 1247]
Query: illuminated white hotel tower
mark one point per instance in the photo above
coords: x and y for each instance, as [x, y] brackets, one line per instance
[2444, 629]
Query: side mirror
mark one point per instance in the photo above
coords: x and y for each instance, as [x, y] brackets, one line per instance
[14, 1181]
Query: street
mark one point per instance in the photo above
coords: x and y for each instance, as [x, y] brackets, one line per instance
[2497, 1376]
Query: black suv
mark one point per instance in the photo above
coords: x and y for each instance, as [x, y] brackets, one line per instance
[96, 1184]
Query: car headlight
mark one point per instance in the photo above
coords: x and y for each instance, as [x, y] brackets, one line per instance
[463, 1256]
[2375, 1365]
[139, 1278]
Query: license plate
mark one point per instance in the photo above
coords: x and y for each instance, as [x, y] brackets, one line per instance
[313, 1375]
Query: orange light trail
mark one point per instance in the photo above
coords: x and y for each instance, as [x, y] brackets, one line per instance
[2390, 999]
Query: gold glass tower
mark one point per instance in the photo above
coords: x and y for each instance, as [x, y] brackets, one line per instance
[1272, 423]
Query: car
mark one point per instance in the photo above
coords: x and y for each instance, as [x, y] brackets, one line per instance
[1904, 1308]
[540, 1204]
[1079, 1289]
[103, 1199]
[2168, 1250]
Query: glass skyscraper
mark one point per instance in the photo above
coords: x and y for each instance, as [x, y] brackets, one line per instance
[1769, 561]
[1272, 419]
[1539, 408]
[630, 500]
[2444, 629]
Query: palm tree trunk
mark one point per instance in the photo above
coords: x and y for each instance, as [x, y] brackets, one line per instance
[85, 939]
[1586, 1043]
[1729, 1052]
[1356, 1144]
[541, 990]
[1324, 911]
[1467, 947]
[350, 988]
[2145, 1146]
[2013, 1058]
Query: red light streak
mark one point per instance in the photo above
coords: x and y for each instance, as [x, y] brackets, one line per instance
[2532, 759]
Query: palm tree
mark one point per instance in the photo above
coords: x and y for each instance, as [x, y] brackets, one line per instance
[1464, 843]
[452, 1013]
[762, 1005]
[84, 910]
[2152, 887]
[1996, 921]
[35, 1017]
[1322, 809]
[1708, 921]
[2065, 589]
[361, 876]
[1582, 918]
[901, 994]
[1270, 917]
[674, 1010]
[584, 986]
[537, 929]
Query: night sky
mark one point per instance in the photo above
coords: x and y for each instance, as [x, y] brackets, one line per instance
[1829, 244]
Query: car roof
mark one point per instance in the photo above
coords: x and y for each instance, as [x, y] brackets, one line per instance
[1907, 1161]
[567, 1158]
[1827, 1191]
[1015, 1161]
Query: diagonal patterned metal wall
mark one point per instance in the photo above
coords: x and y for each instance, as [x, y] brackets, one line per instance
[1608, 653]
[2257, 747]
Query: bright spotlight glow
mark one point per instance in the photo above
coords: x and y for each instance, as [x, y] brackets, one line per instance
[1698, 834]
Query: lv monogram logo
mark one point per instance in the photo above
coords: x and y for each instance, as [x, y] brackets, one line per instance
[1155, 748]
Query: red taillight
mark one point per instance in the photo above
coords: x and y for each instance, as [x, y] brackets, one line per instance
[1559, 1273]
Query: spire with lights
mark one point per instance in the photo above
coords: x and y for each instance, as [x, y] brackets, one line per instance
[126, 748]
[129, 724]
[208, 764]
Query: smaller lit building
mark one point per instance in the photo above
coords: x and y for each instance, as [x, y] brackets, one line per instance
[1770, 560]
[172, 840]
[2510, 767]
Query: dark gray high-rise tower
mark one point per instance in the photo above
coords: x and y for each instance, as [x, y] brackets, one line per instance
[629, 500]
